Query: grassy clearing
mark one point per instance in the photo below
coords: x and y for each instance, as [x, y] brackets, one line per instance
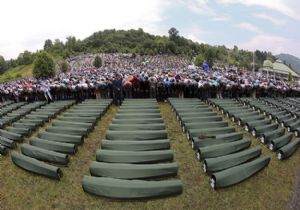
[17, 73]
[270, 189]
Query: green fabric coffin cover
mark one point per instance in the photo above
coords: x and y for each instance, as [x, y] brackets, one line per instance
[289, 122]
[238, 173]
[137, 127]
[244, 120]
[210, 132]
[96, 116]
[287, 150]
[137, 116]
[220, 163]
[58, 123]
[123, 111]
[54, 146]
[219, 139]
[3, 150]
[11, 136]
[201, 119]
[21, 131]
[198, 114]
[61, 138]
[136, 135]
[113, 156]
[133, 171]
[79, 119]
[44, 154]
[130, 189]
[222, 149]
[268, 136]
[200, 125]
[280, 141]
[68, 130]
[36, 166]
[137, 121]
[264, 129]
[7, 142]
[124, 145]
[252, 124]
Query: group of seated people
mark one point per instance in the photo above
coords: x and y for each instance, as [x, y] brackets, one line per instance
[126, 76]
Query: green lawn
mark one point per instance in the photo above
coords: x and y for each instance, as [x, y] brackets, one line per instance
[270, 189]
[18, 72]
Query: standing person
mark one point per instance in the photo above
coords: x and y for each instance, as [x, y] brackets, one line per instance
[117, 84]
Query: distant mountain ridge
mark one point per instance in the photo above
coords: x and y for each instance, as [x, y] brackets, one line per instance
[291, 61]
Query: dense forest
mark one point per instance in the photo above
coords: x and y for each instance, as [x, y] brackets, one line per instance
[140, 42]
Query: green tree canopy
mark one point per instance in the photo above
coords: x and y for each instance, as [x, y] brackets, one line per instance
[199, 60]
[97, 62]
[64, 67]
[43, 65]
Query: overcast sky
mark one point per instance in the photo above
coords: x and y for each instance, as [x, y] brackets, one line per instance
[272, 25]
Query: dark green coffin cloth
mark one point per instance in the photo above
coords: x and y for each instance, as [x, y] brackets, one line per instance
[210, 132]
[79, 119]
[138, 121]
[113, 156]
[252, 124]
[222, 149]
[133, 171]
[61, 138]
[11, 136]
[219, 139]
[220, 163]
[123, 111]
[264, 129]
[133, 127]
[280, 141]
[201, 119]
[124, 145]
[68, 130]
[137, 116]
[268, 136]
[130, 189]
[287, 150]
[44, 154]
[136, 135]
[3, 150]
[58, 123]
[199, 125]
[7, 142]
[36, 166]
[239, 173]
[54, 146]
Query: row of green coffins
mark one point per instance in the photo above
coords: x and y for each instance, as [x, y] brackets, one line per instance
[60, 139]
[225, 153]
[136, 150]
[262, 125]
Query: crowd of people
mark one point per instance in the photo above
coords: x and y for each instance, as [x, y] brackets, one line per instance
[127, 76]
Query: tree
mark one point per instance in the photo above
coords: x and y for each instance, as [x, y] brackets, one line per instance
[43, 65]
[199, 60]
[97, 62]
[3, 64]
[48, 44]
[290, 77]
[173, 34]
[64, 66]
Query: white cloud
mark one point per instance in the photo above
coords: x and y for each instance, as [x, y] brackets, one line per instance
[28, 23]
[223, 18]
[274, 44]
[290, 8]
[273, 20]
[194, 38]
[249, 27]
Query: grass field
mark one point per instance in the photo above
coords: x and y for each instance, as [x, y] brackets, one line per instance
[16, 73]
[271, 188]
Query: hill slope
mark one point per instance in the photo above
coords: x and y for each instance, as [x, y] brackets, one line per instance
[18, 72]
[292, 60]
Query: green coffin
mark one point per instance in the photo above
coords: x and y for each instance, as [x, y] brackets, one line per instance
[68, 130]
[243, 120]
[61, 138]
[133, 171]
[124, 145]
[287, 150]
[222, 149]
[220, 163]
[136, 135]
[238, 173]
[7, 143]
[137, 116]
[257, 131]
[201, 119]
[133, 127]
[123, 111]
[198, 114]
[36, 166]
[113, 156]
[44, 154]
[210, 132]
[268, 136]
[280, 141]
[61, 147]
[97, 116]
[200, 125]
[252, 124]
[58, 123]
[11, 136]
[138, 121]
[79, 119]
[219, 139]
[21, 131]
[130, 189]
